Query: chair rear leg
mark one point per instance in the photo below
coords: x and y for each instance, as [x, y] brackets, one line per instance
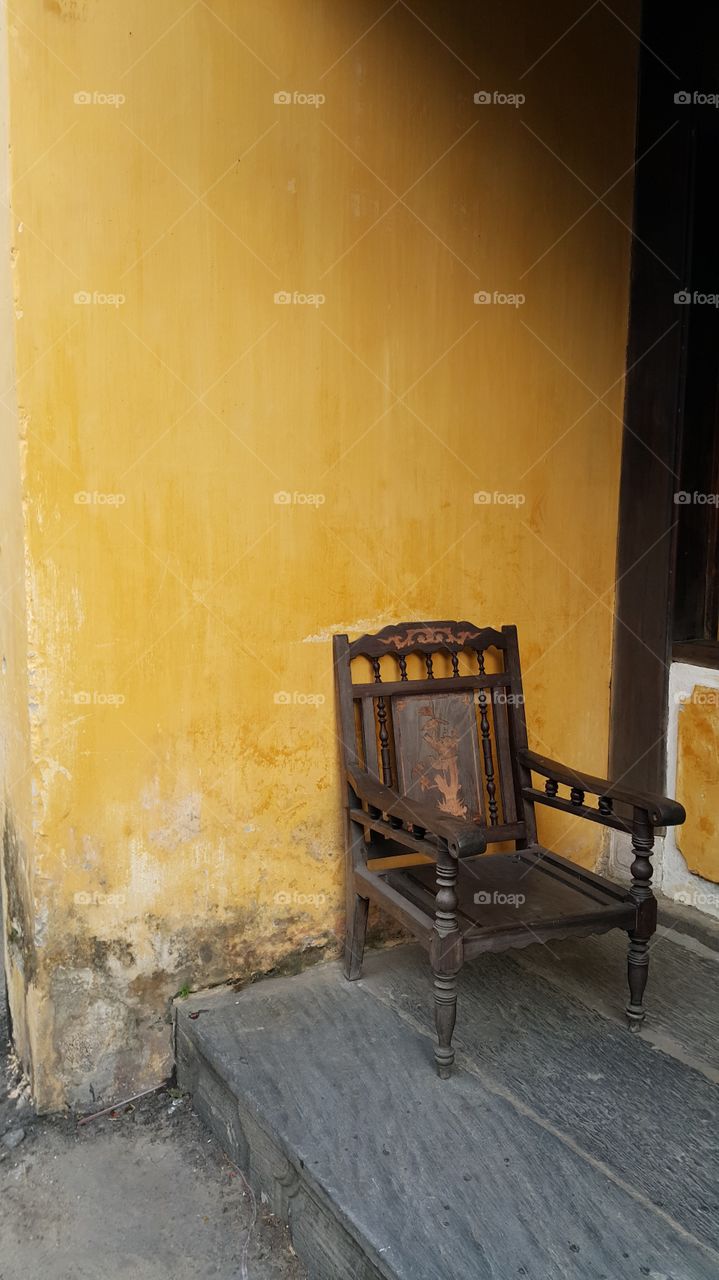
[357, 906]
[446, 960]
[646, 921]
[357, 910]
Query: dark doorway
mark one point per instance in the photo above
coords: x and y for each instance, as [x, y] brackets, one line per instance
[667, 601]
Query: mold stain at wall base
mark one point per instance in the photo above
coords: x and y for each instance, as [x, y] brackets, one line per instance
[110, 1028]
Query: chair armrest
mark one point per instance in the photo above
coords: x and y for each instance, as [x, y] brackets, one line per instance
[661, 811]
[463, 838]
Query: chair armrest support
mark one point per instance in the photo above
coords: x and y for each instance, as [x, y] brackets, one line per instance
[661, 811]
[462, 838]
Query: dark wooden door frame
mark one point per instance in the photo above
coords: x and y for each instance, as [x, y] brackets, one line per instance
[676, 55]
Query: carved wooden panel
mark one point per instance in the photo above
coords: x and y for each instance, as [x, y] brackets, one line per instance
[437, 754]
[427, 637]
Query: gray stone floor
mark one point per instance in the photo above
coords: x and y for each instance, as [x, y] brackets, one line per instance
[563, 1148]
[148, 1195]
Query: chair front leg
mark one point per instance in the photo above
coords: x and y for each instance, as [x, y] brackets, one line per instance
[646, 922]
[446, 955]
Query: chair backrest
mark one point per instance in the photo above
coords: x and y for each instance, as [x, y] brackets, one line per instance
[436, 710]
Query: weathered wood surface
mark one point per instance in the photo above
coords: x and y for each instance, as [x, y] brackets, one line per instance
[562, 1147]
[511, 890]
[437, 756]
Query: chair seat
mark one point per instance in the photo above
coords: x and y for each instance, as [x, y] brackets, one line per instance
[514, 899]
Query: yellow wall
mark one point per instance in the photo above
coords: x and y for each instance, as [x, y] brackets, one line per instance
[188, 830]
[15, 706]
[698, 781]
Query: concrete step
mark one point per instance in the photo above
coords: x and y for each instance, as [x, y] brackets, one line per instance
[562, 1147]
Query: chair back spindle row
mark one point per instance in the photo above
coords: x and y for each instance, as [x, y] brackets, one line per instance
[441, 719]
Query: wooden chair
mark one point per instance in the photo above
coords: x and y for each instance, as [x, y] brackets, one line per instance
[436, 770]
